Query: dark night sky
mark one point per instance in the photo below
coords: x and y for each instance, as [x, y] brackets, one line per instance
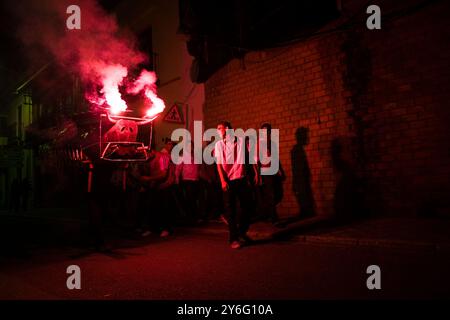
[230, 29]
[11, 65]
[15, 63]
[223, 30]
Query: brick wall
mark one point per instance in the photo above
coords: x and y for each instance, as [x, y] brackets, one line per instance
[364, 112]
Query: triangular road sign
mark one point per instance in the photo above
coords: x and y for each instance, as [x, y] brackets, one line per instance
[174, 115]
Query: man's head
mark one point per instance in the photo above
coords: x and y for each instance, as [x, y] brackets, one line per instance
[268, 127]
[169, 145]
[222, 128]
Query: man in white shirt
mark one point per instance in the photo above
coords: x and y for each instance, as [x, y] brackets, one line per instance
[230, 154]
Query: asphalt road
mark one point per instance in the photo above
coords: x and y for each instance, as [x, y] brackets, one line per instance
[192, 265]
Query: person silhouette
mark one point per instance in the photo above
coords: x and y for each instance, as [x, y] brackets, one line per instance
[301, 174]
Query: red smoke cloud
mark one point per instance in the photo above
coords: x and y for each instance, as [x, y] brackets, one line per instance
[100, 53]
[146, 83]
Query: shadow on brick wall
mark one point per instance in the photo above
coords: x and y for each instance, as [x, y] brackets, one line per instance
[301, 175]
[348, 201]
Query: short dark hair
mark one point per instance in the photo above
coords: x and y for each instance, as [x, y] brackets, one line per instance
[226, 124]
[268, 127]
[168, 140]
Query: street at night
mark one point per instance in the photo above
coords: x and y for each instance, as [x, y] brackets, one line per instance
[197, 264]
[247, 151]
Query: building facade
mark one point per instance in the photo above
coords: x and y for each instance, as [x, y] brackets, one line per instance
[362, 114]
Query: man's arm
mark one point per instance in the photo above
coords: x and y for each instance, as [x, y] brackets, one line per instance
[159, 176]
[257, 176]
[219, 160]
[222, 177]
[255, 166]
[281, 173]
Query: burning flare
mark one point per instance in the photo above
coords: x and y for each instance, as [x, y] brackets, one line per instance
[111, 78]
[146, 82]
[157, 104]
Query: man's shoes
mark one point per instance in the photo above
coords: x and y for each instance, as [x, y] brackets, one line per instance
[138, 230]
[280, 224]
[223, 219]
[146, 233]
[245, 239]
[164, 234]
[103, 248]
[274, 220]
[235, 245]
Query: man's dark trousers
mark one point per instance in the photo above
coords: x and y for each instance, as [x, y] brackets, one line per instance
[238, 220]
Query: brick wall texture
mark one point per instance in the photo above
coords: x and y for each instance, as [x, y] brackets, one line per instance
[363, 115]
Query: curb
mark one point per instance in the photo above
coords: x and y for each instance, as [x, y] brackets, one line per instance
[43, 219]
[346, 241]
[381, 243]
[310, 239]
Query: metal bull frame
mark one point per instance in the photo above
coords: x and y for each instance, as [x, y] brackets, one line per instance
[130, 151]
[112, 147]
